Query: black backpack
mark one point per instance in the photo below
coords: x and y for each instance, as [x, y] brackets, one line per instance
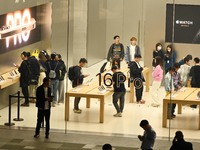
[32, 78]
[71, 73]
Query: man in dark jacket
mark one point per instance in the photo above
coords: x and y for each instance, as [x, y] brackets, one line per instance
[116, 50]
[195, 77]
[194, 73]
[137, 77]
[24, 77]
[35, 73]
[53, 72]
[179, 143]
[43, 103]
[78, 80]
[61, 86]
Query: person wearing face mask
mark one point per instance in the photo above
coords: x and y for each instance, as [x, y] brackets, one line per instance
[169, 58]
[158, 52]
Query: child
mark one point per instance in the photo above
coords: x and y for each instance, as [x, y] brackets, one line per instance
[184, 71]
[157, 79]
[169, 88]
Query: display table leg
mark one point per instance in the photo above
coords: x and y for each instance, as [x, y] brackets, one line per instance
[164, 119]
[87, 102]
[101, 119]
[132, 96]
[199, 117]
[67, 107]
[179, 108]
[147, 81]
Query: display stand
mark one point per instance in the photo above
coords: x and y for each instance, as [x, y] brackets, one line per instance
[9, 78]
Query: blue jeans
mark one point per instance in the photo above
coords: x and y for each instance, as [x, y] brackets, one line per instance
[54, 88]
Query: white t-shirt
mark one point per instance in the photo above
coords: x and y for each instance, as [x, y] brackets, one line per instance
[46, 105]
[132, 52]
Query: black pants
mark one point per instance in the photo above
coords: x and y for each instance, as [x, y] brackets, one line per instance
[138, 89]
[26, 94]
[76, 99]
[40, 116]
[171, 109]
[76, 102]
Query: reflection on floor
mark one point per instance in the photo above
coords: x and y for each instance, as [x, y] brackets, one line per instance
[127, 125]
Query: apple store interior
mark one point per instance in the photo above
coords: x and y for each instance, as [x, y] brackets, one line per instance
[102, 38]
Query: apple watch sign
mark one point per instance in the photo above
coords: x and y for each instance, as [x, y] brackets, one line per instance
[186, 23]
[18, 29]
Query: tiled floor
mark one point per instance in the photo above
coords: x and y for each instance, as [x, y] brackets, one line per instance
[19, 139]
[128, 125]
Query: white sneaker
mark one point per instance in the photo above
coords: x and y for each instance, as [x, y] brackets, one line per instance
[155, 105]
[78, 111]
[118, 115]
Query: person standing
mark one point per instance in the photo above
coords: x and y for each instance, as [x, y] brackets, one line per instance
[78, 80]
[158, 52]
[181, 62]
[149, 136]
[132, 50]
[195, 77]
[137, 77]
[24, 77]
[194, 73]
[185, 71]
[43, 103]
[179, 143]
[169, 88]
[116, 50]
[35, 73]
[177, 77]
[43, 68]
[157, 80]
[119, 90]
[53, 72]
[61, 87]
[169, 58]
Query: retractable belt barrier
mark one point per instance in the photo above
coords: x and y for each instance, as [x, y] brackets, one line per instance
[16, 95]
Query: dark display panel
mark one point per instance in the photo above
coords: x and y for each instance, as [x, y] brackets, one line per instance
[186, 23]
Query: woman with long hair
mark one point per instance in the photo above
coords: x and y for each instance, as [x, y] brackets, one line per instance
[157, 80]
[169, 58]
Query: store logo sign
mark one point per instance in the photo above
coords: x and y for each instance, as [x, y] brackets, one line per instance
[18, 27]
[184, 23]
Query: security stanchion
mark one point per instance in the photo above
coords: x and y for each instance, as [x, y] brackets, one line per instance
[9, 123]
[18, 108]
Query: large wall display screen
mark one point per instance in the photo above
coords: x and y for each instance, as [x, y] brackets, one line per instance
[186, 23]
[18, 29]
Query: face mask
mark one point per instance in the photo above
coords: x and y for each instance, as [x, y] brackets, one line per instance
[159, 48]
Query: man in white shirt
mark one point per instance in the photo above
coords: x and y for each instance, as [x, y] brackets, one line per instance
[132, 50]
[43, 103]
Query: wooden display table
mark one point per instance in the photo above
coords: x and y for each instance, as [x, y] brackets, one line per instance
[9, 78]
[188, 96]
[88, 92]
[92, 91]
